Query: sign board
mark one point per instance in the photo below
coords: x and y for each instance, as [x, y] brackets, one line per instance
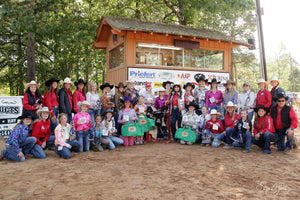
[158, 76]
[10, 110]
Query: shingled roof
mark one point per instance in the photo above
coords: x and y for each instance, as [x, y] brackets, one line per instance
[121, 23]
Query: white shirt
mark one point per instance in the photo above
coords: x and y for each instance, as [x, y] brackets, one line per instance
[246, 100]
[92, 98]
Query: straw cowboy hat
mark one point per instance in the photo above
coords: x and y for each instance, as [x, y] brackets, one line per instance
[31, 83]
[275, 78]
[262, 81]
[50, 81]
[214, 80]
[79, 104]
[229, 81]
[67, 80]
[214, 112]
[188, 84]
[80, 81]
[230, 104]
[167, 82]
[43, 109]
[261, 107]
[200, 77]
[162, 89]
[106, 85]
[120, 85]
[130, 81]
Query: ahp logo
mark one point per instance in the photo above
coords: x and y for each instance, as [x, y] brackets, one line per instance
[184, 76]
[140, 74]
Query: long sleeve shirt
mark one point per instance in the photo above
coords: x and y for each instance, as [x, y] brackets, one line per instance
[217, 96]
[92, 98]
[133, 94]
[127, 112]
[117, 98]
[233, 98]
[50, 100]
[84, 120]
[191, 119]
[159, 103]
[263, 125]
[202, 120]
[107, 102]
[77, 96]
[293, 117]
[200, 95]
[229, 123]
[62, 135]
[212, 124]
[17, 137]
[263, 98]
[149, 98]
[41, 129]
[246, 100]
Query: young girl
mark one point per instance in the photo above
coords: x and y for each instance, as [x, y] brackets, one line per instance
[215, 127]
[148, 96]
[204, 117]
[243, 132]
[82, 124]
[125, 115]
[176, 106]
[230, 94]
[161, 118]
[106, 98]
[214, 97]
[18, 144]
[78, 95]
[41, 131]
[201, 90]
[230, 120]
[190, 119]
[263, 96]
[96, 133]
[92, 97]
[140, 109]
[131, 92]
[64, 144]
[109, 132]
[32, 99]
[188, 96]
[65, 99]
[168, 86]
[264, 131]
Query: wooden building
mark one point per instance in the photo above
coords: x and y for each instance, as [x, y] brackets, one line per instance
[155, 52]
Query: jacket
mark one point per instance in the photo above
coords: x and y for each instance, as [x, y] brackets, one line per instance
[64, 102]
[264, 124]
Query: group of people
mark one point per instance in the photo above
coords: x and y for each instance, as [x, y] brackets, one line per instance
[83, 121]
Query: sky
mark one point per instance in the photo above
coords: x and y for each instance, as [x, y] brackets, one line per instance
[281, 24]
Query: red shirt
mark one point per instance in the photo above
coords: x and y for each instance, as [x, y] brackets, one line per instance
[229, 123]
[264, 98]
[69, 97]
[186, 98]
[26, 105]
[175, 100]
[268, 126]
[211, 124]
[41, 129]
[293, 117]
[50, 100]
[78, 96]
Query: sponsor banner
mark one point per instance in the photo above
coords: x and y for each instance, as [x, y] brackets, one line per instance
[158, 76]
[10, 110]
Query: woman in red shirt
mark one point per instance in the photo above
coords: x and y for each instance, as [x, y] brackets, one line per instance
[32, 100]
[78, 94]
[263, 96]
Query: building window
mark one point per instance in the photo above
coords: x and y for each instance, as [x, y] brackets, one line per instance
[116, 57]
[167, 55]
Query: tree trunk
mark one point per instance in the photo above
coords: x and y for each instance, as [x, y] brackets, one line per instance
[20, 70]
[30, 57]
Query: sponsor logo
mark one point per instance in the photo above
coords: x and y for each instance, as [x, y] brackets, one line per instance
[143, 121]
[185, 134]
[140, 74]
[132, 129]
[183, 76]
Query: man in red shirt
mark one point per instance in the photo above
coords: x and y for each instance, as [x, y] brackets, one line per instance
[285, 121]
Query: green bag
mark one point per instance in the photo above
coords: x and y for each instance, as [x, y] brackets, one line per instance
[132, 129]
[186, 135]
[146, 123]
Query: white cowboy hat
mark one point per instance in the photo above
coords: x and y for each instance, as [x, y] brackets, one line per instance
[214, 112]
[43, 109]
[230, 104]
[162, 89]
[31, 83]
[262, 81]
[83, 103]
[275, 78]
[130, 81]
[67, 80]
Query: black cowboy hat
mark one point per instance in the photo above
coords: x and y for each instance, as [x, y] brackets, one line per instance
[261, 107]
[50, 81]
[26, 115]
[192, 104]
[80, 81]
[106, 85]
[282, 95]
[188, 84]
[120, 85]
[200, 77]
[214, 80]
[167, 82]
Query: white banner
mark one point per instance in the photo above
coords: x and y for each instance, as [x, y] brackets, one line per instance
[158, 76]
[10, 110]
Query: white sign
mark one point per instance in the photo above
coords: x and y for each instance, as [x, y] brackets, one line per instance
[10, 110]
[157, 76]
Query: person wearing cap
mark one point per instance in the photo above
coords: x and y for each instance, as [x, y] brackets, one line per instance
[264, 131]
[190, 119]
[276, 90]
[79, 94]
[230, 119]
[65, 99]
[215, 128]
[118, 104]
[285, 122]
[176, 106]
[246, 100]
[148, 95]
[18, 144]
[92, 96]
[188, 96]
[83, 124]
[263, 96]
[32, 100]
[51, 101]
[200, 91]
[107, 97]
[230, 94]
[161, 116]
[214, 97]
[131, 91]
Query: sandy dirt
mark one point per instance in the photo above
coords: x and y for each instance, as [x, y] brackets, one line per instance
[155, 171]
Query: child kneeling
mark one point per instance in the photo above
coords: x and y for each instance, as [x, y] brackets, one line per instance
[215, 128]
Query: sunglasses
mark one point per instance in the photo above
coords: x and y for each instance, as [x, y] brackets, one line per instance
[279, 101]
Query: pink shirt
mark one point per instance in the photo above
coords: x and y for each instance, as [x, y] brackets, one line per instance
[85, 121]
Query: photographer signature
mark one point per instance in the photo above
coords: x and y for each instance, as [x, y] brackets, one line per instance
[273, 188]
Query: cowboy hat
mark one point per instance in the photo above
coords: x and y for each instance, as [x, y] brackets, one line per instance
[188, 84]
[214, 112]
[130, 81]
[162, 89]
[192, 104]
[106, 85]
[261, 107]
[50, 81]
[80, 81]
[31, 83]
[200, 77]
[275, 78]
[26, 115]
[43, 109]
[229, 81]
[282, 95]
[126, 99]
[246, 83]
[262, 81]
[107, 111]
[79, 104]
[230, 104]
[67, 80]
[167, 82]
[120, 85]
[214, 80]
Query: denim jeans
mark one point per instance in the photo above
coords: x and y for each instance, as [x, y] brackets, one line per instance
[92, 114]
[82, 137]
[113, 141]
[215, 137]
[247, 141]
[175, 116]
[227, 138]
[53, 125]
[218, 108]
[65, 152]
[38, 152]
[10, 154]
[265, 140]
[281, 140]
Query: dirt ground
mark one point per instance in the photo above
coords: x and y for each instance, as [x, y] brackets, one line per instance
[155, 171]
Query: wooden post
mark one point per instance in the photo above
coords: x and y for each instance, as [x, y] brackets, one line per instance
[292, 71]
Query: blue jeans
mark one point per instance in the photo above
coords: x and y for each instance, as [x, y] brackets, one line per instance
[215, 137]
[38, 151]
[265, 140]
[113, 141]
[65, 152]
[10, 154]
[92, 114]
[281, 139]
[218, 108]
[227, 138]
[175, 116]
[53, 125]
[247, 141]
[82, 138]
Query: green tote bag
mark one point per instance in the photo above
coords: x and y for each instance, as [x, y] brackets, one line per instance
[186, 135]
[132, 129]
